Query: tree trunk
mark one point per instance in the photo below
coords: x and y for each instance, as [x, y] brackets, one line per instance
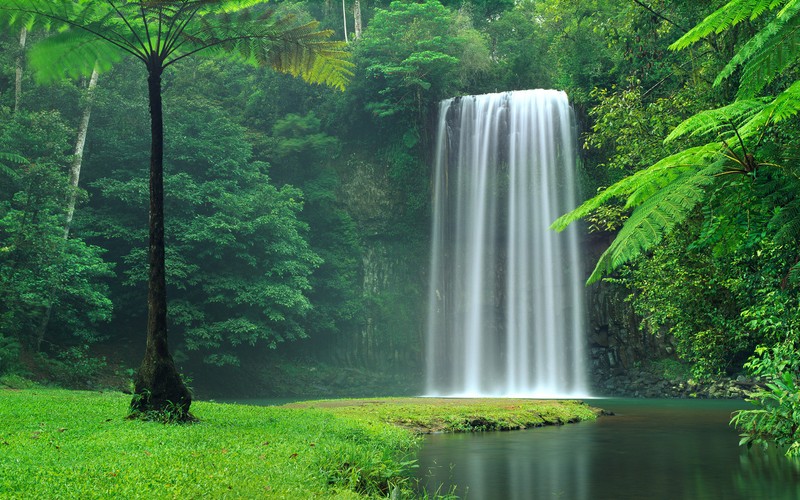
[77, 157]
[158, 386]
[344, 20]
[23, 36]
[357, 19]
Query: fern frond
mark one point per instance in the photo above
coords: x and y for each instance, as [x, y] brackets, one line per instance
[72, 53]
[675, 167]
[714, 121]
[773, 49]
[102, 20]
[230, 6]
[786, 222]
[50, 15]
[300, 49]
[13, 158]
[10, 158]
[731, 14]
[655, 218]
[786, 105]
[637, 188]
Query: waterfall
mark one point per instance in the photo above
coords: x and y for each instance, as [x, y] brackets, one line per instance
[505, 313]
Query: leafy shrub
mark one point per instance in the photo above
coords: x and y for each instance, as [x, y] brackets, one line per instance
[17, 381]
[9, 354]
[777, 416]
[75, 367]
[670, 369]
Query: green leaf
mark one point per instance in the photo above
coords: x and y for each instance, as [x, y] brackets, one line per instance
[786, 105]
[716, 121]
[731, 14]
[73, 53]
[636, 188]
[766, 55]
[657, 216]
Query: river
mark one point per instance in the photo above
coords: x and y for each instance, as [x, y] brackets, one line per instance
[650, 449]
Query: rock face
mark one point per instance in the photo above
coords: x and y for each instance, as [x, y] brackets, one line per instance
[366, 191]
[390, 333]
[628, 362]
[615, 344]
[644, 383]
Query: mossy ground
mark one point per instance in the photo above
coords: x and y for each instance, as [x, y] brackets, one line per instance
[75, 444]
[427, 415]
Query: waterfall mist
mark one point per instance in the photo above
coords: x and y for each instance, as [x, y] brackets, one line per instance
[506, 313]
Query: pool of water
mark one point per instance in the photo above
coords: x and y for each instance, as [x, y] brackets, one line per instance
[650, 449]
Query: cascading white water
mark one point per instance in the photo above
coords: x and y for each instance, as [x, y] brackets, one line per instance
[506, 314]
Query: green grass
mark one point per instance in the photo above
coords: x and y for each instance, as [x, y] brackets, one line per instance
[426, 415]
[71, 444]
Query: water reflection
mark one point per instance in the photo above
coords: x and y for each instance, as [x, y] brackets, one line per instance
[650, 450]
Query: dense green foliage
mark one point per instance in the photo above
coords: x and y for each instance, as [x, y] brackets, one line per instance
[89, 37]
[712, 232]
[40, 270]
[250, 285]
[775, 418]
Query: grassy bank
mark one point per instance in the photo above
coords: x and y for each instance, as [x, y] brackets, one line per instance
[426, 415]
[72, 444]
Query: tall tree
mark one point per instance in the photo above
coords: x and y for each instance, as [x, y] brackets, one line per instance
[23, 36]
[77, 155]
[344, 20]
[159, 33]
[356, 19]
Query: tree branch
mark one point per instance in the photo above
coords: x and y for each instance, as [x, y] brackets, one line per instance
[146, 29]
[130, 28]
[659, 15]
[172, 42]
[160, 24]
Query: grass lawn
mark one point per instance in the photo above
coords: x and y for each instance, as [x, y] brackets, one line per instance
[71, 444]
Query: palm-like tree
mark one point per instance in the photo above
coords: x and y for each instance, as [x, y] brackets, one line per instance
[159, 33]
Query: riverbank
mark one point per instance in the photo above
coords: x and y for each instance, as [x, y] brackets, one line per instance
[431, 415]
[57, 443]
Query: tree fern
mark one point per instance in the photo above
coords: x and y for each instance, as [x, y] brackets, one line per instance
[771, 51]
[638, 187]
[173, 30]
[656, 217]
[160, 33]
[664, 194]
[783, 107]
[730, 15]
[718, 121]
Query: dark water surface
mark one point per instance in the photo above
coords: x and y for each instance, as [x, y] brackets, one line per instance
[651, 449]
